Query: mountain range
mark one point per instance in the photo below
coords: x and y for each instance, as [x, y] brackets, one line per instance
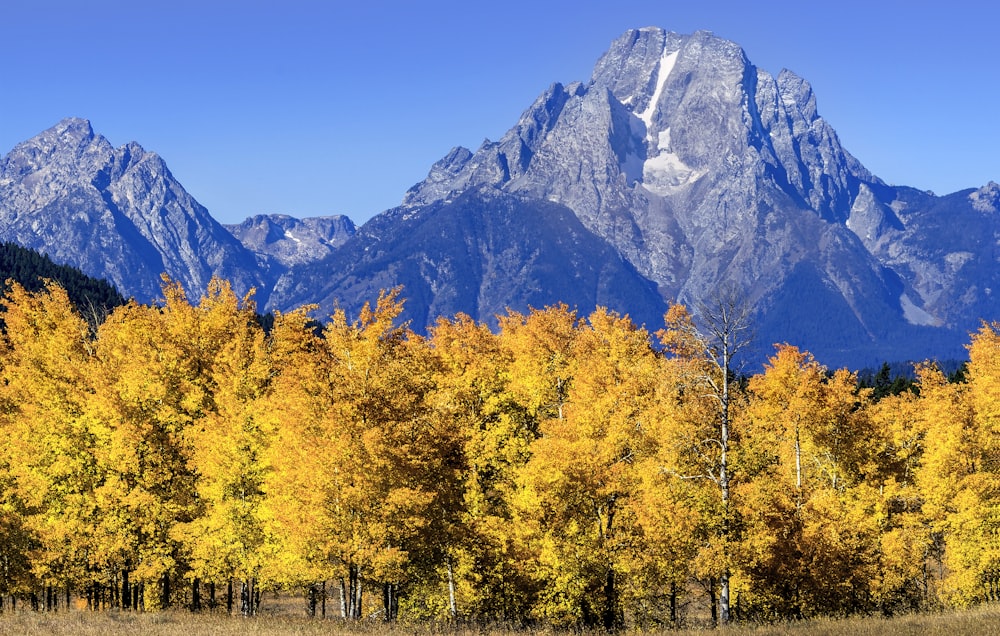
[677, 169]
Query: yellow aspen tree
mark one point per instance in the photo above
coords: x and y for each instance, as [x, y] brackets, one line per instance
[967, 454]
[539, 345]
[133, 452]
[481, 563]
[49, 448]
[578, 488]
[401, 465]
[847, 515]
[677, 504]
[787, 411]
[904, 581]
[948, 460]
[301, 457]
[782, 412]
[151, 393]
[705, 443]
[821, 552]
[229, 447]
[387, 461]
[16, 538]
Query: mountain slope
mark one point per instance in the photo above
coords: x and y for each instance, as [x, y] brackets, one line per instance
[478, 254]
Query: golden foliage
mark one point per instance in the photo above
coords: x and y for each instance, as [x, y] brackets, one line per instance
[574, 471]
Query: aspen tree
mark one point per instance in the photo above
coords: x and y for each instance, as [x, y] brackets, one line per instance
[301, 457]
[482, 563]
[984, 377]
[812, 518]
[904, 580]
[16, 537]
[394, 456]
[578, 487]
[49, 449]
[138, 425]
[961, 473]
[383, 457]
[708, 361]
[539, 344]
[155, 391]
[229, 448]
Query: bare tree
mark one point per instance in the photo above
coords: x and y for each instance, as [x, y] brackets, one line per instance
[727, 331]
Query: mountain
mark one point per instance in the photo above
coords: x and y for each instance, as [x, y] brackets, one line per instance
[280, 241]
[678, 169]
[702, 171]
[115, 213]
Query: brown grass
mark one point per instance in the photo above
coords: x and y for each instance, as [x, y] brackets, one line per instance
[985, 620]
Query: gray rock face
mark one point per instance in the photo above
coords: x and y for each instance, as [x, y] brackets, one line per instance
[702, 170]
[115, 213]
[480, 253]
[281, 241]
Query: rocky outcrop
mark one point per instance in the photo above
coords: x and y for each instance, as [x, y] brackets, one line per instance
[704, 171]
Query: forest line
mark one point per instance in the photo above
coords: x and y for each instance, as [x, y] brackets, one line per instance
[562, 470]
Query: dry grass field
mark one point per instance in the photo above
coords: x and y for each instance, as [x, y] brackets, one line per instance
[984, 620]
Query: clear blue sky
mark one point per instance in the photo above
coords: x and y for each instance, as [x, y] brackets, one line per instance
[310, 107]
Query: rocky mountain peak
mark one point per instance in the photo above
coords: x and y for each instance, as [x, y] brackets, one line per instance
[72, 132]
[797, 94]
[71, 142]
[115, 213]
[703, 170]
[282, 241]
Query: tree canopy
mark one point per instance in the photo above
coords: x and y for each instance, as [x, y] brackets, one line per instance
[567, 470]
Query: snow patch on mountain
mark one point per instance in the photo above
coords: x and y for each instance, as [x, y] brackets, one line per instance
[667, 63]
[916, 315]
[666, 173]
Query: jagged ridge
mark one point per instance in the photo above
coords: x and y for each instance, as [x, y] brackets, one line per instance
[677, 168]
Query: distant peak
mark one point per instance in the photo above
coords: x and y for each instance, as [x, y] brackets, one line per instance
[456, 156]
[75, 122]
[67, 142]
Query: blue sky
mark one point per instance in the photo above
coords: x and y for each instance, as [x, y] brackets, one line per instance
[311, 107]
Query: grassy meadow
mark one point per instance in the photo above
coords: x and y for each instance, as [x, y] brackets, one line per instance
[983, 620]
